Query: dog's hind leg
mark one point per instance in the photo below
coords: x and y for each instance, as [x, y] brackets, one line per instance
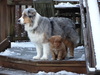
[71, 49]
[39, 49]
[46, 51]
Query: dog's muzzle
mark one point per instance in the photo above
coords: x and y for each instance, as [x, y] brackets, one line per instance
[20, 21]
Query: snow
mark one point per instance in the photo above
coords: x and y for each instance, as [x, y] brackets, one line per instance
[66, 0]
[64, 5]
[95, 25]
[22, 44]
[26, 50]
[58, 73]
[80, 47]
[91, 69]
[82, 57]
[68, 4]
[21, 72]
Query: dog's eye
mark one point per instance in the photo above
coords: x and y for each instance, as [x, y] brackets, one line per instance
[25, 15]
[34, 15]
[30, 16]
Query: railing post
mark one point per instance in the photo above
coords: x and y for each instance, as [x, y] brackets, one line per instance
[94, 16]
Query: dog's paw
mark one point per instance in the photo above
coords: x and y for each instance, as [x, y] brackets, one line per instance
[36, 57]
[44, 58]
[58, 59]
[71, 57]
[53, 58]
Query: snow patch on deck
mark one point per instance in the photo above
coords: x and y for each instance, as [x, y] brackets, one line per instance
[26, 50]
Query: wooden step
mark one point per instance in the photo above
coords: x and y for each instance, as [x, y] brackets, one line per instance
[47, 66]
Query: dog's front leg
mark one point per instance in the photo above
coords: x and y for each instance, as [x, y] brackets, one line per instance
[46, 51]
[39, 51]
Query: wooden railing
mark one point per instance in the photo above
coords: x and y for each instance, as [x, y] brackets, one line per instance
[10, 11]
[20, 5]
[88, 40]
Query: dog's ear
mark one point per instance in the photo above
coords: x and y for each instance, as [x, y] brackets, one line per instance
[61, 39]
[31, 13]
[51, 40]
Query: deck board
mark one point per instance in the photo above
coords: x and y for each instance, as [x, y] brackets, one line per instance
[27, 53]
[48, 66]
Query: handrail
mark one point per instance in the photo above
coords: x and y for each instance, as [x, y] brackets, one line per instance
[95, 27]
[4, 44]
[19, 2]
[89, 40]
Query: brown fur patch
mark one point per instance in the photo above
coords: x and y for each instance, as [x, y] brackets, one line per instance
[27, 20]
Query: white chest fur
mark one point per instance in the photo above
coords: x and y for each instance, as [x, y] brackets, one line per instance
[34, 36]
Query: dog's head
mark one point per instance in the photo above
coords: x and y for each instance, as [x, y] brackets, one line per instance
[56, 40]
[28, 16]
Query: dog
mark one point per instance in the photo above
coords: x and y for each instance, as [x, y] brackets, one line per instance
[40, 29]
[58, 48]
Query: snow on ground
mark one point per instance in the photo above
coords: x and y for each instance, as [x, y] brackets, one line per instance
[68, 4]
[66, 0]
[21, 72]
[26, 50]
[22, 44]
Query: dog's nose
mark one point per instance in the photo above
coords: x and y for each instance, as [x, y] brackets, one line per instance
[18, 21]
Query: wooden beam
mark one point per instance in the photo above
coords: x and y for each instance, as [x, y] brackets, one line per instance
[4, 44]
[19, 2]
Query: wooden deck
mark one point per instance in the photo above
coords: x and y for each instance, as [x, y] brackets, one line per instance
[30, 65]
[48, 66]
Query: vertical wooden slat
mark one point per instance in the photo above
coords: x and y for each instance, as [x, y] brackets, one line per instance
[20, 26]
[12, 18]
[17, 26]
[8, 20]
[3, 31]
[0, 22]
